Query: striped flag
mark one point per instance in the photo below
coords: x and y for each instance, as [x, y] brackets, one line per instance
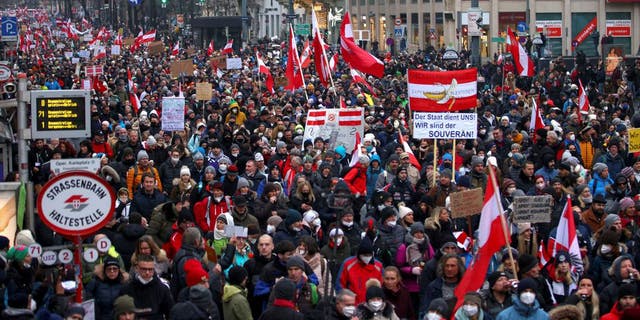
[438, 91]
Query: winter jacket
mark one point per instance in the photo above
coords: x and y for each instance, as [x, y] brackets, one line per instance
[163, 219]
[354, 273]
[154, 297]
[284, 232]
[364, 312]
[390, 238]
[409, 279]
[401, 301]
[356, 179]
[104, 291]
[372, 176]
[127, 240]
[520, 311]
[342, 253]
[134, 178]
[235, 305]
[614, 314]
[278, 311]
[169, 171]
[207, 211]
[609, 295]
[245, 219]
[144, 202]
[178, 279]
[598, 185]
[402, 191]
[615, 164]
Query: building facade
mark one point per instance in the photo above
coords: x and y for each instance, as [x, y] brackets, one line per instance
[420, 23]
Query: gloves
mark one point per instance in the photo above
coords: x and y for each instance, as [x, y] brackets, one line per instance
[416, 270]
[209, 235]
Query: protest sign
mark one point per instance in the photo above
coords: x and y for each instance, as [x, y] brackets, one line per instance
[339, 126]
[234, 63]
[115, 50]
[219, 62]
[204, 91]
[155, 47]
[532, 209]
[445, 125]
[466, 203]
[172, 114]
[634, 139]
[181, 68]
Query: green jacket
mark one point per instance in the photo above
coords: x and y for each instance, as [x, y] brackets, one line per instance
[235, 305]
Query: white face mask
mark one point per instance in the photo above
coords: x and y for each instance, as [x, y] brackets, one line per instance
[347, 224]
[223, 167]
[433, 316]
[302, 252]
[174, 160]
[338, 241]
[510, 190]
[296, 229]
[271, 229]
[470, 310]
[280, 134]
[375, 305]
[540, 186]
[605, 248]
[381, 207]
[235, 154]
[349, 311]
[392, 223]
[528, 298]
[366, 259]
[572, 137]
[218, 199]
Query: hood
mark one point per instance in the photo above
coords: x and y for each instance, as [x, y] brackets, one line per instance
[133, 231]
[375, 157]
[614, 270]
[230, 291]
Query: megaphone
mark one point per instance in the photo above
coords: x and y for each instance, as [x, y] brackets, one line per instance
[10, 87]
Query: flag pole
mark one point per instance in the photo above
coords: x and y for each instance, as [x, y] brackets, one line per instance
[297, 61]
[453, 163]
[324, 57]
[503, 221]
[435, 161]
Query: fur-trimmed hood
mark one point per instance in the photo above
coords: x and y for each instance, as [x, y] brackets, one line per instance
[564, 312]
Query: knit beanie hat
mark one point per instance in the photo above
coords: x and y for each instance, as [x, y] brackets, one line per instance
[142, 154]
[627, 289]
[610, 220]
[185, 171]
[374, 292]
[201, 297]
[285, 289]
[293, 216]
[526, 283]
[404, 211]
[295, 262]
[195, 274]
[626, 203]
[598, 167]
[494, 277]
[17, 253]
[440, 306]
[123, 304]
[526, 262]
[73, 310]
[416, 227]
[387, 213]
[473, 297]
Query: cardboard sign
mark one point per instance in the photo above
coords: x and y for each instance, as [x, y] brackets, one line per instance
[204, 91]
[155, 47]
[532, 209]
[128, 41]
[181, 68]
[634, 139]
[220, 62]
[466, 203]
[281, 82]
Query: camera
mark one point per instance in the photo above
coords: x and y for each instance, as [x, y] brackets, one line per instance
[583, 297]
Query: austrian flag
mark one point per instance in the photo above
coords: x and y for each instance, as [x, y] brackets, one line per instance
[439, 91]
[346, 117]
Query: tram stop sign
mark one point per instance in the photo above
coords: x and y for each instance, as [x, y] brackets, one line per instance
[76, 203]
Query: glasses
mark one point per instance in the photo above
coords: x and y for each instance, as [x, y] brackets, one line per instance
[112, 269]
[141, 270]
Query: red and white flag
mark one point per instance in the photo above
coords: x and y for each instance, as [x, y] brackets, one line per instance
[523, 62]
[148, 37]
[357, 57]
[359, 78]
[544, 256]
[133, 96]
[583, 99]
[412, 158]
[293, 70]
[566, 238]
[536, 117]
[333, 63]
[210, 48]
[99, 52]
[357, 149]
[319, 54]
[305, 56]
[118, 40]
[228, 48]
[262, 68]
[176, 49]
[438, 91]
[316, 117]
[492, 236]
[346, 117]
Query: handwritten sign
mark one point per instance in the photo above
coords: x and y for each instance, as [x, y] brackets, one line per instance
[634, 139]
[204, 91]
[219, 62]
[532, 209]
[155, 47]
[466, 203]
[234, 63]
[172, 114]
[181, 68]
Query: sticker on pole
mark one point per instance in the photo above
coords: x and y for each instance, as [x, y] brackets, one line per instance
[103, 245]
[49, 258]
[90, 255]
[65, 256]
[76, 203]
[35, 250]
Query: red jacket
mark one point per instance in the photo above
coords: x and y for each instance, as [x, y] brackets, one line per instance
[354, 274]
[172, 246]
[356, 179]
[207, 221]
[102, 148]
[614, 314]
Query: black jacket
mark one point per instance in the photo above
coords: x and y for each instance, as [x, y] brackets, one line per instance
[154, 297]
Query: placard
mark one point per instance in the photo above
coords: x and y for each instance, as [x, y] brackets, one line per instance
[115, 50]
[532, 209]
[128, 41]
[204, 91]
[445, 125]
[220, 62]
[466, 203]
[339, 126]
[181, 68]
[634, 139]
[281, 82]
[84, 54]
[68, 54]
[155, 47]
[234, 63]
[172, 114]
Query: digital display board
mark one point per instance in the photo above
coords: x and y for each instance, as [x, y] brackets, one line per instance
[60, 114]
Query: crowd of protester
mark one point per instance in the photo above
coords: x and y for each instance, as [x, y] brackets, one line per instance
[390, 252]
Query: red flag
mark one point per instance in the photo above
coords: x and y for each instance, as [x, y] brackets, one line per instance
[437, 91]
[293, 71]
[357, 57]
[583, 102]
[210, 48]
[544, 256]
[523, 62]
[118, 40]
[148, 37]
[343, 104]
[491, 238]
[536, 117]
[355, 154]
[99, 85]
[412, 158]
[333, 63]
[305, 56]
[262, 68]
[358, 78]
[176, 49]
[319, 53]
[566, 238]
[99, 52]
[228, 48]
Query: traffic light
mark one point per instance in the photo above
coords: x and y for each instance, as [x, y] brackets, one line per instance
[164, 3]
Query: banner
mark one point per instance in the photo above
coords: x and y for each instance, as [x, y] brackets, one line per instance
[618, 28]
[585, 32]
[550, 28]
[172, 114]
[339, 126]
[435, 125]
[532, 209]
[440, 91]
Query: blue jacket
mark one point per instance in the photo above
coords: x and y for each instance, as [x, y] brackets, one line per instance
[615, 164]
[519, 311]
[372, 176]
[598, 185]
